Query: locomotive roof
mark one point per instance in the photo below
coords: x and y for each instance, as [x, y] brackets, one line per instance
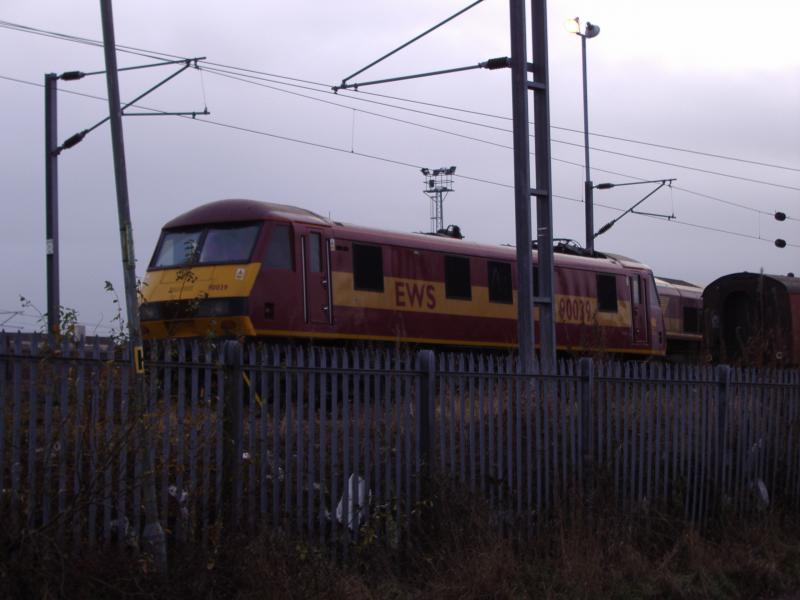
[443, 243]
[241, 210]
[679, 282]
[237, 210]
[791, 284]
[669, 286]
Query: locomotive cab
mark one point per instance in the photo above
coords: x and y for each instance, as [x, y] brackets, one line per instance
[226, 269]
[200, 277]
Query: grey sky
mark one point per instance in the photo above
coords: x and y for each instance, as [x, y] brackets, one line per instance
[713, 76]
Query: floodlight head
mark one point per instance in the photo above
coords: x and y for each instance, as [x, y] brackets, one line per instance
[451, 170]
[425, 171]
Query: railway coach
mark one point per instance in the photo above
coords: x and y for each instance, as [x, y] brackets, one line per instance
[753, 319]
[258, 269]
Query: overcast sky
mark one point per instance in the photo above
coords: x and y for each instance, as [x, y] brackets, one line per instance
[711, 77]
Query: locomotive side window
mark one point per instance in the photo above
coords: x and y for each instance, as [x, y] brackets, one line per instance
[229, 244]
[456, 278]
[500, 282]
[606, 293]
[368, 268]
[279, 251]
[178, 248]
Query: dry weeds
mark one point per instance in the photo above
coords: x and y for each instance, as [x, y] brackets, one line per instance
[455, 550]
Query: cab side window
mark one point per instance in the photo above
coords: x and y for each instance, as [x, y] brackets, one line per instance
[315, 252]
[635, 290]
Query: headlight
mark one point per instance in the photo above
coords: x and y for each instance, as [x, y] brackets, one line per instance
[214, 308]
[149, 312]
[222, 307]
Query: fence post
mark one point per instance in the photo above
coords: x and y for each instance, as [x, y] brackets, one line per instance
[586, 373]
[231, 432]
[426, 364]
[723, 376]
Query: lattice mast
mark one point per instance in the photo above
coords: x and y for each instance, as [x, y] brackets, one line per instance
[437, 184]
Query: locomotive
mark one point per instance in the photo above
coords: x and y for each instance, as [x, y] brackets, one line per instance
[260, 269]
[682, 307]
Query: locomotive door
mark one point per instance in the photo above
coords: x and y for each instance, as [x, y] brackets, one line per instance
[638, 311]
[316, 272]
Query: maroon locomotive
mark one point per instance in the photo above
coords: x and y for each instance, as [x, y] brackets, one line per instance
[247, 268]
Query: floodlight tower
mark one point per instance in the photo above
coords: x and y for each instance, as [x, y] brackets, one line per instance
[437, 184]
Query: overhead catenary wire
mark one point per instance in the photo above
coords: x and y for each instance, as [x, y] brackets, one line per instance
[385, 159]
[392, 161]
[427, 127]
[558, 127]
[160, 55]
[225, 74]
[366, 112]
[84, 40]
[467, 177]
[12, 314]
[220, 71]
[155, 54]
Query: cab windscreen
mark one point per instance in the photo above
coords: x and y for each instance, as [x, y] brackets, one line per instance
[208, 245]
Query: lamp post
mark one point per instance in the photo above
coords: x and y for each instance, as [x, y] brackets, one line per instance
[53, 150]
[574, 26]
[51, 202]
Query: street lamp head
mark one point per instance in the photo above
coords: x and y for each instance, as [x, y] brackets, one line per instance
[72, 75]
[591, 30]
[573, 25]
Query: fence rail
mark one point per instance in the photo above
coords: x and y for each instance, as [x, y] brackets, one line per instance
[335, 443]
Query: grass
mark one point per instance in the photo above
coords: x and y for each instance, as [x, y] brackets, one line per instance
[455, 551]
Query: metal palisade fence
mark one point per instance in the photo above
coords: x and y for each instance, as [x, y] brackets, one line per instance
[338, 443]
